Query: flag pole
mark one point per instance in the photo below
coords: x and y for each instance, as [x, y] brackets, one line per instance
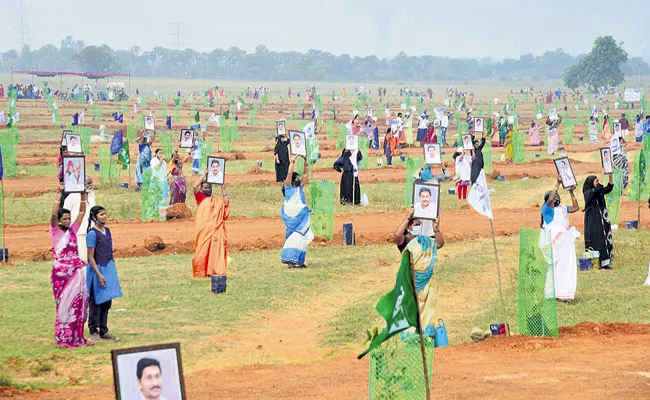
[419, 328]
[2, 188]
[496, 257]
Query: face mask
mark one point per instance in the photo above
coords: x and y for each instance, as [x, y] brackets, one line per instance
[296, 183]
[207, 192]
[557, 201]
[63, 227]
[416, 230]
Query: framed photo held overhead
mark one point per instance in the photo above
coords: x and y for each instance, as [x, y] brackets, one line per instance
[74, 173]
[187, 139]
[478, 124]
[351, 142]
[298, 143]
[281, 128]
[216, 170]
[467, 142]
[565, 171]
[149, 123]
[149, 372]
[63, 141]
[618, 132]
[73, 143]
[426, 200]
[606, 160]
[432, 154]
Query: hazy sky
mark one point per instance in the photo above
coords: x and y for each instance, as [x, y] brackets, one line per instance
[455, 28]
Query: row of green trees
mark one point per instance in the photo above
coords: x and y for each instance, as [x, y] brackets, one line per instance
[314, 65]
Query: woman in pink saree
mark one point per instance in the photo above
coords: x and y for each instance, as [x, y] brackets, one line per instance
[68, 277]
[534, 134]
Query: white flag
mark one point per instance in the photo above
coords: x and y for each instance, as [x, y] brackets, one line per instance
[309, 130]
[213, 118]
[55, 105]
[135, 108]
[479, 197]
[82, 118]
[53, 118]
[2, 116]
[16, 117]
[647, 281]
[90, 101]
[13, 102]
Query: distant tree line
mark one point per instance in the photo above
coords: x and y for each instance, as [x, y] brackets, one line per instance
[314, 65]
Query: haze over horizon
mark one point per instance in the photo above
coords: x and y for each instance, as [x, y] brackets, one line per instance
[469, 29]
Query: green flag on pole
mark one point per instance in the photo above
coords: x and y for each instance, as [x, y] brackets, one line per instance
[642, 167]
[196, 117]
[123, 156]
[399, 307]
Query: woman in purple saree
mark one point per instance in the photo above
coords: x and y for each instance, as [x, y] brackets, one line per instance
[68, 277]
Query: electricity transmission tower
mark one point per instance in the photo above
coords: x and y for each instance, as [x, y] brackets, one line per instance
[178, 34]
[22, 28]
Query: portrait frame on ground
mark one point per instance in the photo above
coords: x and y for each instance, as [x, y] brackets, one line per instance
[565, 171]
[63, 141]
[467, 142]
[606, 160]
[351, 142]
[185, 142]
[159, 364]
[432, 154]
[432, 210]
[74, 173]
[280, 128]
[298, 143]
[73, 143]
[479, 124]
[217, 177]
[149, 123]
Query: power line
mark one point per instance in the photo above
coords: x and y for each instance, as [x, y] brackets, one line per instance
[178, 34]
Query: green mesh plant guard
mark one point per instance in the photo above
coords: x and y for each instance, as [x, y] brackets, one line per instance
[396, 369]
[131, 132]
[9, 142]
[226, 143]
[122, 107]
[177, 113]
[536, 303]
[192, 108]
[84, 131]
[340, 140]
[329, 129]
[364, 146]
[613, 199]
[518, 147]
[108, 168]
[490, 108]
[487, 157]
[151, 196]
[206, 150]
[412, 165]
[164, 110]
[321, 201]
[166, 144]
[568, 134]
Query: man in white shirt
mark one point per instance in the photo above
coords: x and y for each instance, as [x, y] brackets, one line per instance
[72, 204]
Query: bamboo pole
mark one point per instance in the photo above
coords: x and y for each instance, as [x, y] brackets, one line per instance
[496, 257]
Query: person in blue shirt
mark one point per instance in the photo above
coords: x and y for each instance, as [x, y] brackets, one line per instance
[196, 154]
[101, 278]
[144, 158]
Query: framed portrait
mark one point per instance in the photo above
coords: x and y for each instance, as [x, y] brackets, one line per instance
[351, 142]
[298, 143]
[74, 173]
[432, 153]
[149, 372]
[618, 132]
[63, 141]
[467, 142]
[216, 170]
[565, 171]
[187, 139]
[149, 124]
[281, 128]
[478, 124]
[426, 200]
[73, 143]
[606, 160]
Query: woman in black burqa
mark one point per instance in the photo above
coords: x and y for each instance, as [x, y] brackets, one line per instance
[349, 176]
[598, 228]
[281, 153]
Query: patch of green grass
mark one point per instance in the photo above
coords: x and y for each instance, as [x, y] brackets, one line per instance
[162, 303]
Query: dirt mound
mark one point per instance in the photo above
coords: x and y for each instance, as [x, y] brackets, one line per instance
[154, 243]
[178, 211]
